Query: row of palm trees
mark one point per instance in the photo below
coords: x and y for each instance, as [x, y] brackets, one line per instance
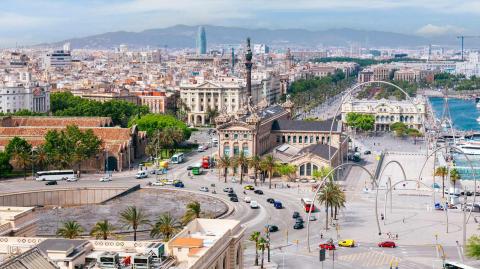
[442, 171]
[133, 218]
[261, 244]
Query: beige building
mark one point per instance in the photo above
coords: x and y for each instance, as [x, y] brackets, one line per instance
[103, 96]
[157, 102]
[209, 244]
[18, 221]
[387, 112]
[410, 75]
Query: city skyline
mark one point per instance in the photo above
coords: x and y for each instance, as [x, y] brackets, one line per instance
[29, 22]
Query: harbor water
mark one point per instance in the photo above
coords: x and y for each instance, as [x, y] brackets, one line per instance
[464, 114]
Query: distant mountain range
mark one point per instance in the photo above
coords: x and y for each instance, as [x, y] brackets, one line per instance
[182, 36]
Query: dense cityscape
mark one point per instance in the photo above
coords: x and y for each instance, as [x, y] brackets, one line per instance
[223, 147]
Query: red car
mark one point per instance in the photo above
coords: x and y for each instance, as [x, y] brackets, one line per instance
[327, 246]
[387, 244]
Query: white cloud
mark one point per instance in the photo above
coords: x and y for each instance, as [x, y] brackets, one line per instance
[437, 30]
[19, 21]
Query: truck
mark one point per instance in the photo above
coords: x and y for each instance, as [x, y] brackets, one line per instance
[207, 162]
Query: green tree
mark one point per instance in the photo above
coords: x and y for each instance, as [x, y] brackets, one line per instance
[322, 172]
[193, 212]
[133, 218]
[414, 133]
[255, 237]
[224, 163]
[165, 226]
[241, 161]
[152, 122]
[442, 171]
[40, 158]
[269, 165]
[20, 152]
[399, 128]
[102, 229]
[87, 144]
[287, 170]
[211, 114]
[255, 162]
[333, 197]
[473, 247]
[5, 166]
[70, 229]
[262, 245]
[360, 121]
[454, 177]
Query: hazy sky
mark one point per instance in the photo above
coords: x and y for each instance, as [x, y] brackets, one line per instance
[34, 21]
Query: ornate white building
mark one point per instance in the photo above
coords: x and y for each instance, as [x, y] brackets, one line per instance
[387, 112]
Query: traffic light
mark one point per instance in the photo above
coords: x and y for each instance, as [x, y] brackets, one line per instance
[322, 254]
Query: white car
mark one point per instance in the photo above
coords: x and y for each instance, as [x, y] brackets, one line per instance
[312, 181]
[105, 179]
[72, 179]
[313, 218]
[204, 189]
[141, 174]
[157, 183]
[247, 199]
[234, 180]
[254, 204]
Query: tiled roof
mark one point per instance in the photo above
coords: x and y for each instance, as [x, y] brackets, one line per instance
[29, 260]
[320, 150]
[188, 242]
[60, 121]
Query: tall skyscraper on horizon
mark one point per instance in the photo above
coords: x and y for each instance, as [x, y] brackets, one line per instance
[201, 41]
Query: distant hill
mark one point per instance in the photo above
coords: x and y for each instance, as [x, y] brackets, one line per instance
[182, 36]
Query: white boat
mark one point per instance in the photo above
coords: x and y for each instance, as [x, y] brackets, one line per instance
[478, 119]
[470, 148]
[478, 104]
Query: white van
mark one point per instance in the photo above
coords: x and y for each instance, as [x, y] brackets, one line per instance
[141, 174]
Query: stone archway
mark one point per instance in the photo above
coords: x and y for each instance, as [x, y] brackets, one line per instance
[199, 120]
[111, 164]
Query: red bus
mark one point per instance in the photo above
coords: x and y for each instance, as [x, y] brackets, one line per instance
[308, 204]
[206, 162]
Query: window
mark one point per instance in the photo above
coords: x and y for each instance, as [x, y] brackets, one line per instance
[288, 139]
[311, 139]
[278, 139]
[235, 136]
[226, 135]
[302, 170]
[245, 136]
[283, 139]
[300, 139]
[294, 139]
[226, 100]
[226, 150]
[317, 139]
[236, 150]
[309, 169]
[233, 100]
[306, 139]
[245, 149]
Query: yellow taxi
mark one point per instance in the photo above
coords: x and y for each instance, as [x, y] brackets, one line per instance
[249, 188]
[347, 243]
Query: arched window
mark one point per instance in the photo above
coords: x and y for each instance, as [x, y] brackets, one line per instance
[289, 139]
[283, 139]
[309, 169]
[300, 139]
[314, 168]
[317, 139]
[245, 149]
[328, 140]
[226, 149]
[236, 149]
[302, 170]
[305, 139]
[323, 139]
[311, 139]
[294, 139]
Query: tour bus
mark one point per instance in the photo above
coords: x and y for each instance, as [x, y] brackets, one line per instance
[178, 158]
[56, 175]
[197, 169]
[456, 265]
[307, 204]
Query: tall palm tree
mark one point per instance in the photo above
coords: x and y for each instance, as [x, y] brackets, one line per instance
[262, 245]
[193, 212]
[241, 161]
[454, 177]
[326, 197]
[133, 218]
[211, 114]
[254, 162]
[22, 159]
[174, 136]
[255, 237]
[442, 171]
[40, 158]
[166, 226]
[71, 230]
[102, 229]
[339, 199]
[268, 165]
[224, 163]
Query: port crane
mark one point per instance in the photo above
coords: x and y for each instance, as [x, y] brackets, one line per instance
[462, 38]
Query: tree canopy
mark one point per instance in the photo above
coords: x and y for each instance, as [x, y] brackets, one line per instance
[65, 104]
[153, 122]
[360, 121]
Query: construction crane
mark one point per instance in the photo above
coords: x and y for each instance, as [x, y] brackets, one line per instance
[462, 37]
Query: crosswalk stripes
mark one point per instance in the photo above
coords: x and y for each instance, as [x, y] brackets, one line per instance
[376, 259]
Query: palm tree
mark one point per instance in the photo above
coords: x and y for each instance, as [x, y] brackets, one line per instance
[166, 226]
[326, 196]
[193, 211]
[102, 229]
[454, 177]
[269, 165]
[174, 136]
[71, 230]
[254, 237]
[224, 163]
[442, 171]
[133, 217]
[40, 158]
[22, 159]
[262, 245]
[241, 161]
[339, 199]
[254, 162]
[211, 114]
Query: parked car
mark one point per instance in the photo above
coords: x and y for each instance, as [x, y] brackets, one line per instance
[327, 246]
[71, 179]
[299, 220]
[249, 188]
[254, 204]
[234, 199]
[277, 204]
[387, 244]
[179, 185]
[141, 174]
[157, 183]
[247, 199]
[270, 200]
[204, 189]
[298, 226]
[227, 189]
[367, 152]
[347, 243]
[232, 194]
[295, 215]
[51, 182]
[105, 179]
[272, 228]
[189, 168]
[260, 192]
[313, 218]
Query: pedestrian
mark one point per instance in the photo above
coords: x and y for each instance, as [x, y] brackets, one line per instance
[321, 235]
[403, 219]
[381, 216]
[396, 236]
